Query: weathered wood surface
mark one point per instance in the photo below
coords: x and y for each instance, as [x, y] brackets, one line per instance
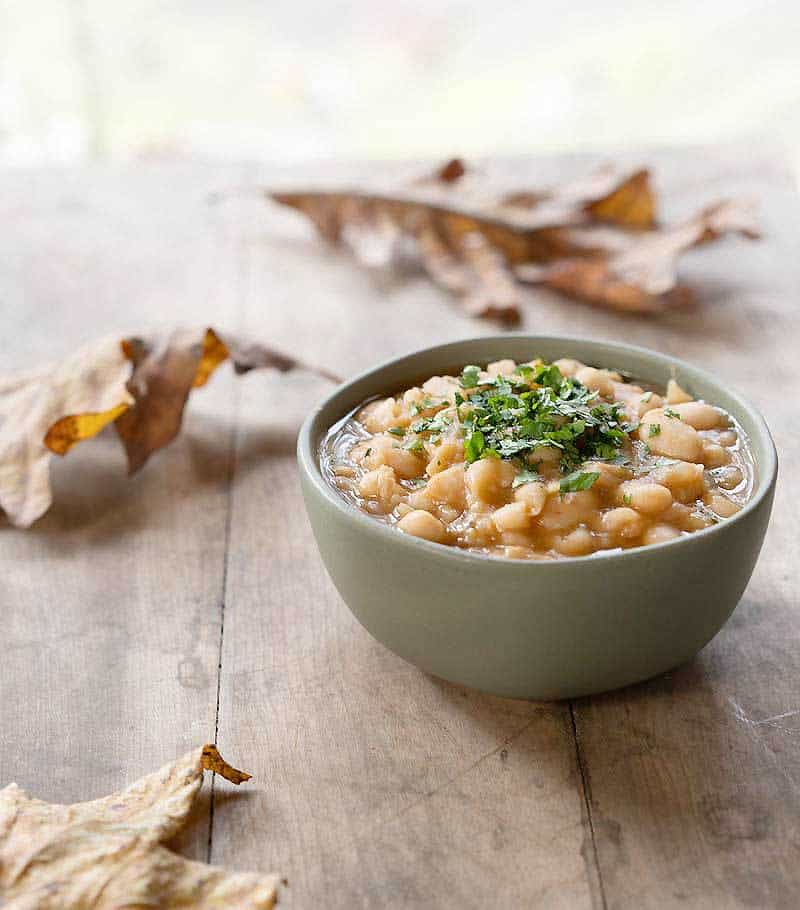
[142, 616]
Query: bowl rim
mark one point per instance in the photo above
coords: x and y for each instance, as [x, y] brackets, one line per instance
[308, 460]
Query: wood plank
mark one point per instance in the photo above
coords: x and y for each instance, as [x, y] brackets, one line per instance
[378, 785]
[110, 605]
[332, 729]
[375, 785]
[695, 776]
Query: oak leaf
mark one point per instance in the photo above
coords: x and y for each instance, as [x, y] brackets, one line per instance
[468, 241]
[108, 854]
[642, 276]
[140, 384]
[596, 238]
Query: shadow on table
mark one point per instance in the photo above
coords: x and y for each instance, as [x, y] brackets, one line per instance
[94, 496]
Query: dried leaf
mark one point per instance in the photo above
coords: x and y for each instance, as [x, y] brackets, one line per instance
[450, 172]
[109, 853]
[595, 238]
[363, 222]
[211, 760]
[139, 384]
[467, 244]
[604, 196]
[91, 382]
[641, 276]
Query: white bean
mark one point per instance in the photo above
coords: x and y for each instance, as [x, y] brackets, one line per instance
[577, 543]
[424, 525]
[646, 498]
[488, 479]
[513, 517]
[700, 415]
[669, 436]
[623, 522]
[601, 381]
[448, 487]
[501, 368]
[660, 533]
[533, 495]
[675, 394]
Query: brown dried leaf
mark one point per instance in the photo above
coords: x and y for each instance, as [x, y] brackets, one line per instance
[358, 220]
[211, 760]
[91, 383]
[449, 172]
[595, 238]
[467, 244]
[108, 853]
[139, 384]
[604, 196]
[641, 276]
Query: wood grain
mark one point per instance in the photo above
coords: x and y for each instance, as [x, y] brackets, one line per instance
[110, 605]
[374, 784]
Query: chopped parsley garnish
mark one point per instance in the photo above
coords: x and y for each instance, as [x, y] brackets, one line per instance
[577, 481]
[670, 413]
[397, 431]
[655, 429]
[431, 424]
[469, 376]
[512, 416]
[526, 475]
[414, 445]
[474, 446]
[425, 403]
[627, 499]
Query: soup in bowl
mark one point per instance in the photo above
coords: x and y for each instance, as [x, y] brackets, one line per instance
[540, 460]
[538, 516]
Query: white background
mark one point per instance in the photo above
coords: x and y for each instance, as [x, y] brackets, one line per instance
[85, 80]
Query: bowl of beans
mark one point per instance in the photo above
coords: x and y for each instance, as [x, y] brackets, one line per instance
[535, 516]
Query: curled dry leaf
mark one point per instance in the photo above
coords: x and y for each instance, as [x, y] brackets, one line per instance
[449, 172]
[595, 239]
[642, 275]
[141, 385]
[109, 853]
[468, 241]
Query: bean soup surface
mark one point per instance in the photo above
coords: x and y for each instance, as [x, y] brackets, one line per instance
[540, 461]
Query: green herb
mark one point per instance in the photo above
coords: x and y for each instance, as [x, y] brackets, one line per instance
[414, 445]
[627, 499]
[539, 407]
[431, 424]
[397, 431]
[425, 404]
[578, 480]
[526, 475]
[474, 446]
[549, 375]
[670, 413]
[525, 370]
[655, 429]
[469, 376]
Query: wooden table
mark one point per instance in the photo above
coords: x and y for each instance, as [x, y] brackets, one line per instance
[141, 617]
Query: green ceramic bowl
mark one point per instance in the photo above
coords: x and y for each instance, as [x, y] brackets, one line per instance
[545, 630]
